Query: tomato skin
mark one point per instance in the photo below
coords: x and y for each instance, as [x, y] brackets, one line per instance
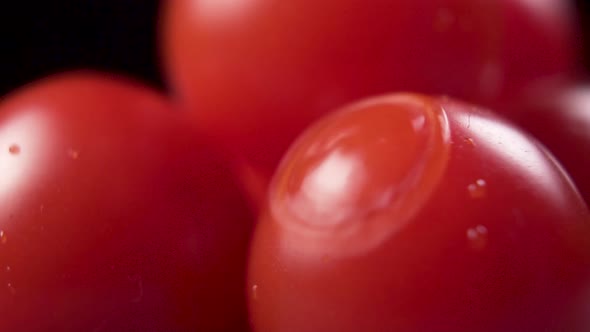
[541, 41]
[498, 239]
[558, 114]
[113, 214]
[256, 73]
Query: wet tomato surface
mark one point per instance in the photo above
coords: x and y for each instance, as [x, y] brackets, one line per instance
[413, 213]
[113, 214]
[254, 74]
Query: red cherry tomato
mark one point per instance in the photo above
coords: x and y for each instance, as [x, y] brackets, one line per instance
[559, 116]
[114, 215]
[541, 40]
[414, 213]
[256, 73]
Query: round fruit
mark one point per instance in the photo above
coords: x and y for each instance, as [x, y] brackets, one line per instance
[114, 214]
[256, 73]
[559, 116]
[414, 213]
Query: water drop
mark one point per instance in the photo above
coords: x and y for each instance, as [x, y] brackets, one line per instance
[74, 154]
[3, 238]
[470, 142]
[11, 288]
[477, 189]
[478, 237]
[8, 268]
[255, 292]
[14, 149]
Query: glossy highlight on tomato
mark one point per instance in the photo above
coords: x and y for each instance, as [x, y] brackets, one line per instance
[558, 114]
[113, 213]
[255, 73]
[341, 179]
[407, 212]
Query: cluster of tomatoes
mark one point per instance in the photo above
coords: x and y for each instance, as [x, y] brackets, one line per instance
[315, 166]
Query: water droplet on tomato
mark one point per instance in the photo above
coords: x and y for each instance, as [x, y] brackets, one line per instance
[14, 149]
[11, 288]
[478, 237]
[478, 189]
[255, 292]
[353, 178]
[470, 142]
[74, 154]
[3, 238]
[8, 269]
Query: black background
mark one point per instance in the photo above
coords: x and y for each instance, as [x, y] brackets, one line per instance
[44, 37]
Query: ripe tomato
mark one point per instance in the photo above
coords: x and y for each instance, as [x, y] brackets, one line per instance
[541, 40]
[415, 213]
[559, 116]
[114, 214]
[256, 73]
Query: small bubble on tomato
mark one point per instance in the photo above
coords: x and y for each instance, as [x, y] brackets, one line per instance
[255, 292]
[73, 154]
[478, 237]
[11, 288]
[14, 149]
[478, 189]
[470, 142]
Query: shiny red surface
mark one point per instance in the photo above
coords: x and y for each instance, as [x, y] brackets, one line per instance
[559, 116]
[413, 213]
[256, 73]
[113, 214]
